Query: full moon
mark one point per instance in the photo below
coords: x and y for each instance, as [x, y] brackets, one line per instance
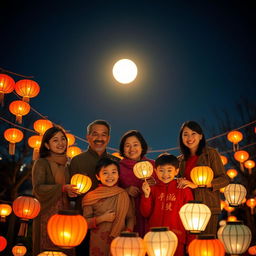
[125, 71]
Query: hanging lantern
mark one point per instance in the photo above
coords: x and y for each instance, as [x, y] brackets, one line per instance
[222, 190]
[82, 182]
[235, 137]
[224, 160]
[19, 108]
[71, 139]
[19, 250]
[249, 164]
[252, 250]
[234, 194]
[117, 154]
[13, 135]
[6, 86]
[67, 229]
[223, 204]
[236, 237]
[73, 151]
[143, 169]
[241, 156]
[51, 253]
[27, 89]
[195, 216]
[232, 218]
[201, 176]
[232, 173]
[161, 241]
[35, 143]
[229, 209]
[26, 208]
[3, 243]
[251, 202]
[206, 245]
[128, 243]
[42, 125]
[5, 210]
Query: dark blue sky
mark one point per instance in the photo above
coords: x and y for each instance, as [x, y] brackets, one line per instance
[192, 57]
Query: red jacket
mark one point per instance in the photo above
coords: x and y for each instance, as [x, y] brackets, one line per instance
[163, 205]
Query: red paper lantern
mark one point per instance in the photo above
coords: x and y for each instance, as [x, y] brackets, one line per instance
[249, 164]
[71, 139]
[6, 86]
[35, 143]
[252, 250]
[251, 202]
[73, 151]
[13, 135]
[5, 210]
[27, 89]
[3, 243]
[19, 250]
[235, 137]
[224, 159]
[19, 108]
[232, 173]
[41, 125]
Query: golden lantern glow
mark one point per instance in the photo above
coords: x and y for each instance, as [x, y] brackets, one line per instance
[19, 108]
[27, 89]
[3, 243]
[232, 173]
[73, 151]
[82, 182]
[13, 135]
[236, 237]
[5, 210]
[235, 194]
[67, 229]
[117, 154]
[222, 190]
[229, 209]
[51, 253]
[224, 160]
[26, 208]
[206, 245]
[143, 169]
[195, 216]
[241, 156]
[252, 250]
[19, 250]
[71, 139]
[235, 137]
[161, 241]
[128, 243]
[232, 218]
[35, 143]
[201, 176]
[6, 86]
[42, 125]
[223, 204]
[251, 202]
[249, 164]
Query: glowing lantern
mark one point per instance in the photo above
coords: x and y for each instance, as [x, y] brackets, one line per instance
[67, 229]
[73, 151]
[206, 245]
[229, 209]
[222, 190]
[143, 169]
[13, 135]
[19, 250]
[252, 250]
[35, 143]
[224, 160]
[232, 173]
[42, 125]
[6, 86]
[236, 237]
[26, 208]
[223, 204]
[3, 243]
[249, 164]
[82, 182]
[117, 154]
[235, 194]
[251, 202]
[201, 176]
[235, 137]
[5, 210]
[232, 218]
[128, 243]
[241, 156]
[160, 241]
[71, 139]
[27, 89]
[51, 253]
[195, 216]
[19, 108]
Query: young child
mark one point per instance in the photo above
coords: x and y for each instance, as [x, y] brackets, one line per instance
[161, 203]
[107, 208]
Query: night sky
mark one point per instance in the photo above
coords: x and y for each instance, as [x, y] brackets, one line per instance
[193, 57]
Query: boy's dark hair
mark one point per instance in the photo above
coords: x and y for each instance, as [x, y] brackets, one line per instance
[166, 158]
[100, 122]
[104, 162]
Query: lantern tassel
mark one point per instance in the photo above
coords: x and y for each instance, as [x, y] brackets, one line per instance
[252, 210]
[2, 219]
[2, 99]
[19, 119]
[250, 171]
[23, 231]
[25, 99]
[11, 148]
[35, 154]
[241, 167]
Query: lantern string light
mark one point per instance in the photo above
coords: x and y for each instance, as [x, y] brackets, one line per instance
[13, 73]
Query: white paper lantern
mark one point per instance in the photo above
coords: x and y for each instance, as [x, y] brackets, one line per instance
[235, 194]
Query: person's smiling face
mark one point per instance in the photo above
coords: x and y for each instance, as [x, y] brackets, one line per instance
[191, 139]
[108, 175]
[132, 148]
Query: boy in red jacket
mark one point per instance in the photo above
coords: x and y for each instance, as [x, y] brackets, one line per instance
[161, 203]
